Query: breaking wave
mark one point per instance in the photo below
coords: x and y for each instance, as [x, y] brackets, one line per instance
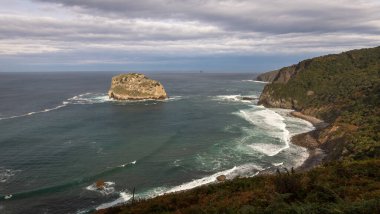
[273, 124]
[36, 112]
[107, 188]
[236, 98]
[6, 174]
[87, 99]
[244, 170]
[255, 81]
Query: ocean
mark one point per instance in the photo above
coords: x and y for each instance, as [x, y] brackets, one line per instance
[60, 134]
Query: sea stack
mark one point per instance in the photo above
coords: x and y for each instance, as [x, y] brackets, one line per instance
[134, 86]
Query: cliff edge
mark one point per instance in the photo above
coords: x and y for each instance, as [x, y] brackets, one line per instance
[341, 89]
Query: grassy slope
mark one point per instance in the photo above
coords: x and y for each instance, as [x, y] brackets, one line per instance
[352, 187]
[346, 93]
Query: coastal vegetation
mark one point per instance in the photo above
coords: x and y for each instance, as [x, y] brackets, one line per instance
[341, 89]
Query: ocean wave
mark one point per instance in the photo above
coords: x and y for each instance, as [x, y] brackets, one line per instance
[246, 170]
[36, 112]
[123, 197]
[236, 98]
[80, 181]
[273, 124]
[107, 188]
[293, 124]
[130, 163]
[201, 181]
[88, 99]
[255, 81]
[95, 98]
[6, 174]
[278, 164]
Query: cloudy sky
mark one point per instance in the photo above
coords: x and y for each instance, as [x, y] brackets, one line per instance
[179, 35]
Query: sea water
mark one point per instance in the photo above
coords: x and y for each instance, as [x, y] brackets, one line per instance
[60, 133]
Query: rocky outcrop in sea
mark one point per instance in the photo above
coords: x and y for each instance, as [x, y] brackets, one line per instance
[134, 86]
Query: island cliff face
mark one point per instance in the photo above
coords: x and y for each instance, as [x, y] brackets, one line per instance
[135, 86]
[341, 89]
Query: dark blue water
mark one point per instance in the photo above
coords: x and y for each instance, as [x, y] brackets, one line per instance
[59, 134]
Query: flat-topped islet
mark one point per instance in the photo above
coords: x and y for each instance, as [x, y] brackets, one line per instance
[134, 86]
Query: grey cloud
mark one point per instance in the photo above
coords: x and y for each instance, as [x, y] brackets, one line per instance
[166, 31]
[245, 15]
[90, 30]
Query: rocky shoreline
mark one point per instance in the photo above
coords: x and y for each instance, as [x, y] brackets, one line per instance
[310, 141]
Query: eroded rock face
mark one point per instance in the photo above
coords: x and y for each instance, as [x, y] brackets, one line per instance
[283, 75]
[135, 86]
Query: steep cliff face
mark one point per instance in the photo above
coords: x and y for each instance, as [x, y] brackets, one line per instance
[135, 86]
[268, 76]
[283, 75]
[342, 89]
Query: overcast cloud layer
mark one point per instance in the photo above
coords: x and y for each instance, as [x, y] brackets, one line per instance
[174, 35]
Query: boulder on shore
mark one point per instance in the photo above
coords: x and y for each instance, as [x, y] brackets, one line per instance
[221, 178]
[134, 86]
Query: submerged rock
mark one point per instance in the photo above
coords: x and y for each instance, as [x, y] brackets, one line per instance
[100, 184]
[248, 98]
[135, 86]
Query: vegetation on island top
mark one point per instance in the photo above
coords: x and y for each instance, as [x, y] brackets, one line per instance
[342, 89]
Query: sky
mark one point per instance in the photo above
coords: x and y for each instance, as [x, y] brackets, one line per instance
[180, 35]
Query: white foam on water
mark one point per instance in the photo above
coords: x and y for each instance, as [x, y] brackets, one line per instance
[177, 163]
[234, 98]
[255, 81]
[130, 163]
[89, 98]
[173, 98]
[86, 99]
[8, 197]
[273, 123]
[35, 112]
[6, 174]
[246, 170]
[228, 97]
[124, 197]
[108, 188]
[201, 181]
[294, 125]
[278, 164]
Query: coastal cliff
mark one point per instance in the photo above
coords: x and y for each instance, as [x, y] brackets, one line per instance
[135, 86]
[342, 89]
[283, 75]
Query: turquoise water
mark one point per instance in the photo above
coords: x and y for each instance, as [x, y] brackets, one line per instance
[59, 133]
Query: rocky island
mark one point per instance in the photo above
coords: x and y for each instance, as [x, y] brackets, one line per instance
[134, 86]
[344, 91]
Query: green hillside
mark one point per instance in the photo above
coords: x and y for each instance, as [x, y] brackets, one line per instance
[342, 89]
